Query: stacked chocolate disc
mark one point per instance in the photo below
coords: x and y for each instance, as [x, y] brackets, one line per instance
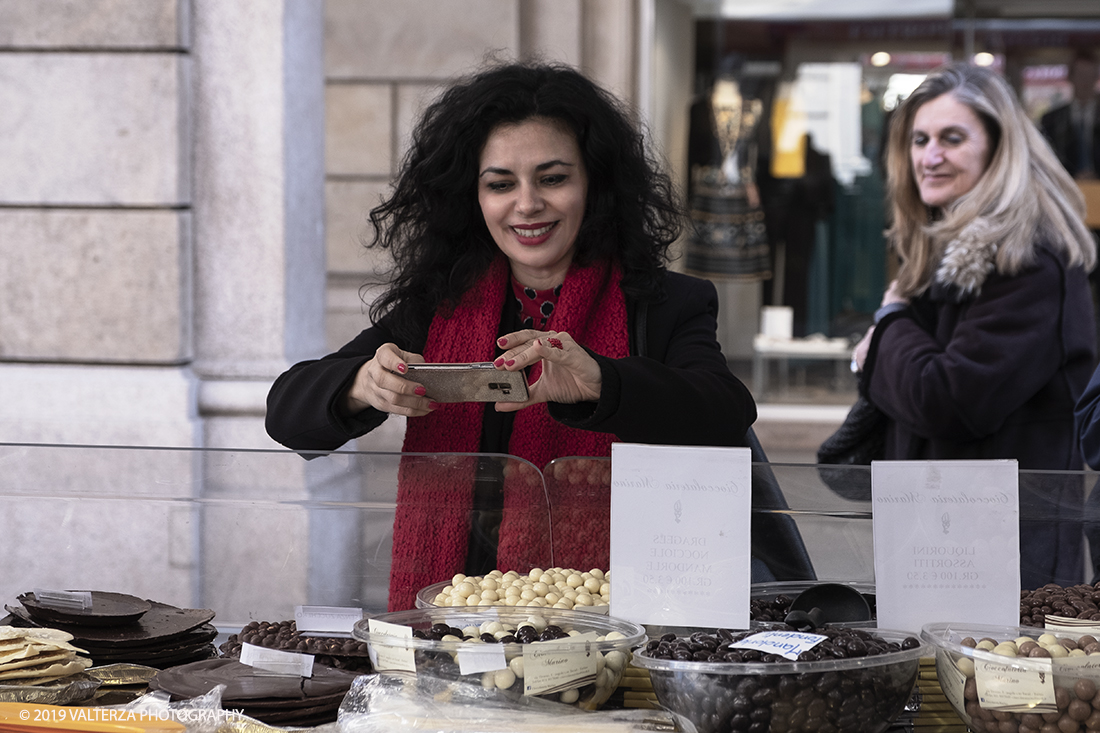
[283, 700]
[122, 629]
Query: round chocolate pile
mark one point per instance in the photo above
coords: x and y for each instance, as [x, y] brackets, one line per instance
[863, 684]
[1078, 601]
[330, 651]
[770, 609]
[842, 643]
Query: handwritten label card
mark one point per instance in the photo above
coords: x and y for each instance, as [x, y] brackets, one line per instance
[680, 544]
[787, 644]
[391, 657]
[947, 542]
[326, 620]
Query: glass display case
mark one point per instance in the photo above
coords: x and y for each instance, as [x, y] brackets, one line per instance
[250, 534]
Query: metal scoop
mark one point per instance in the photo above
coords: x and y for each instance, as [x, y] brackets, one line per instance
[827, 603]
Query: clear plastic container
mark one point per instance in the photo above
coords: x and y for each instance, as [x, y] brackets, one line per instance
[990, 691]
[865, 694]
[600, 661]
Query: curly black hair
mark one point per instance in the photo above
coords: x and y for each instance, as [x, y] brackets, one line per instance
[432, 223]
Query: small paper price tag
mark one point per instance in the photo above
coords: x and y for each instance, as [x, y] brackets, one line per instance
[289, 664]
[64, 600]
[1078, 626]
[787, 644]
[1087, 667]
[478, 658]
[326, 620]
[1009, 686]
[391, 658]
[547, 669]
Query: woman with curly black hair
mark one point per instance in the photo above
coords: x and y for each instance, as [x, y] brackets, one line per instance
[530, 227]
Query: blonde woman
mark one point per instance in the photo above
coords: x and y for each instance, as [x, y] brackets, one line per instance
[985, 340]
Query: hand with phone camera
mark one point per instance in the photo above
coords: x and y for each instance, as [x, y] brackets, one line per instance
[379, 384]
[568, 373]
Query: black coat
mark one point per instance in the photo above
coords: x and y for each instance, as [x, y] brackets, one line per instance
[1057, 126]
[996, 375]
[992, 376]
[681, 392]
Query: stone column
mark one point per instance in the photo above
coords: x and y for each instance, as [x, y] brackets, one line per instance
[258, 205]
[259, 277]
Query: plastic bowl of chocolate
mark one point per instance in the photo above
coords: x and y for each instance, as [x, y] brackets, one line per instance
[1021, 678]
[839, 679]
[573, 657]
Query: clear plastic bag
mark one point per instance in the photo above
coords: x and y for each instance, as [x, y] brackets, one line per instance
[384, 703]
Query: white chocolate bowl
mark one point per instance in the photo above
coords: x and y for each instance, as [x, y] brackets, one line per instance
[595, 650]
[998, 684]
[563, 589]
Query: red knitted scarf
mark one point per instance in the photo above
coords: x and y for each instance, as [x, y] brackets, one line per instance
[435, 493]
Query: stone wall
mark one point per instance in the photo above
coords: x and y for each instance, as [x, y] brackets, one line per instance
[95, 221]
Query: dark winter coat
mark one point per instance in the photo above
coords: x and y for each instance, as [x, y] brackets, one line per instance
[985, 365]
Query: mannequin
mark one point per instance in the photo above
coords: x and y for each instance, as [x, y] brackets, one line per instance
[729, 238]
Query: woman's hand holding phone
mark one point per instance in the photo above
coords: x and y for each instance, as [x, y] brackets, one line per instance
[379, 384]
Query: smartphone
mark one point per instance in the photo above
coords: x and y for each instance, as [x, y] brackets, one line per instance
[477, 382]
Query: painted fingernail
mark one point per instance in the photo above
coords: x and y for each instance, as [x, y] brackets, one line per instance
[554, 343]
[499, 361]
[502, 341]
[421, 391]
[510, 362]
[433, 405]
[401, 368]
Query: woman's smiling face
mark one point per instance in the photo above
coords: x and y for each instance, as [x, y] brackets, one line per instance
[948, 148]
[532, 187]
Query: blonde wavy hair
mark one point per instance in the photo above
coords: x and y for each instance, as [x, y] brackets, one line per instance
[1023, 196]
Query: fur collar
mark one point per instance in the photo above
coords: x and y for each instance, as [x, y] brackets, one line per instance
[967, 261]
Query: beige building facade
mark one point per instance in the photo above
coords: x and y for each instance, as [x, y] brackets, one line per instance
[184, 187]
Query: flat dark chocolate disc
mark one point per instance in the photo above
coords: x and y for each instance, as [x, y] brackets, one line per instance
[247, 683]
[160, 623]
[160, 659]
[108, 609]
[302, 717]
[191, 639]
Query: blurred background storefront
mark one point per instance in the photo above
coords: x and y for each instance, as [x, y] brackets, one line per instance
[814, 84]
